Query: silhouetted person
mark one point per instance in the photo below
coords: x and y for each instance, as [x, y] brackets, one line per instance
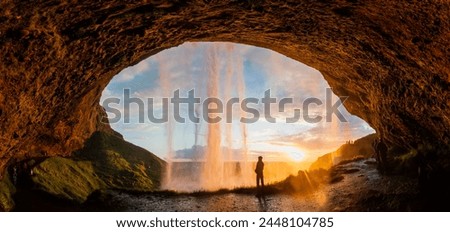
[259, 173]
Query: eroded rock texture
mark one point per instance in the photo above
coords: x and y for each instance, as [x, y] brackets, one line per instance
[390, 57]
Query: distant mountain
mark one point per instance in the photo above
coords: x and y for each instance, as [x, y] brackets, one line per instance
[198, 152]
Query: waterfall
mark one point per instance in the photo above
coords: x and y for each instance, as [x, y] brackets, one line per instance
[166, 88]
[220, 167]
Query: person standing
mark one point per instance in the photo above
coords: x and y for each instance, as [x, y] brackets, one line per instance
[259, 173]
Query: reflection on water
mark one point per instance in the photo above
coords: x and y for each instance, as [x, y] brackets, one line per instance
[230, 202]
[263, 207]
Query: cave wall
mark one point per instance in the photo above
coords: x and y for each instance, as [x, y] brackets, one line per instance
[390, 57]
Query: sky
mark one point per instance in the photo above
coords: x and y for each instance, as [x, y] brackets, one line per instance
[229, 70]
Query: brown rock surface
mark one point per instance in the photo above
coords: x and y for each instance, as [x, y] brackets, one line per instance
[390, 57]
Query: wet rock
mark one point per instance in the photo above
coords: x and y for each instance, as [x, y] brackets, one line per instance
[349, 171]
[336, 179]
[357, 150]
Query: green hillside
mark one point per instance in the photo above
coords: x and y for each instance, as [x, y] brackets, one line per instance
[106, 162]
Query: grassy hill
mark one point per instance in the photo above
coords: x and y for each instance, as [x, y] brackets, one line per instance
[106, 162]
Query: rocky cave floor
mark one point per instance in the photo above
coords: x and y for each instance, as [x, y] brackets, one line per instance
[356, 186]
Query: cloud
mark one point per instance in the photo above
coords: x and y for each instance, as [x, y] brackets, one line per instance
[186, 67]
[131, 72]
[326, 137]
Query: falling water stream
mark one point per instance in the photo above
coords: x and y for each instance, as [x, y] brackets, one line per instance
[220, 167]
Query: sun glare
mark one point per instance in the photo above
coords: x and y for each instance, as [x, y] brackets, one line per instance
[294, 153]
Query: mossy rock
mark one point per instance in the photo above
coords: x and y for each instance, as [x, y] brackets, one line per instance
[106, 162]
[7, 191]
[66, 178]
[120, 164]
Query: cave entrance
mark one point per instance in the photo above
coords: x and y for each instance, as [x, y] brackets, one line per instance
[211, 108]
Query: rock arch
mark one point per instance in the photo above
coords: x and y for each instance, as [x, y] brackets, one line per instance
[389, 57]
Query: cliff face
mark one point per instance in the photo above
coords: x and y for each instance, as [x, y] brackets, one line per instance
[389, 57]
[361, 148]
